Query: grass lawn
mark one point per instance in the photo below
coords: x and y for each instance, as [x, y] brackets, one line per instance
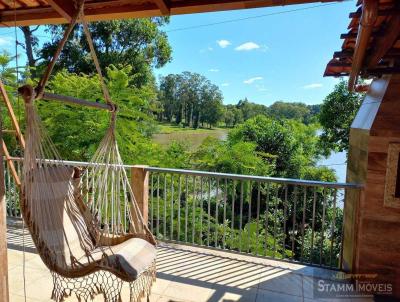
[166, 128]
[191, 137]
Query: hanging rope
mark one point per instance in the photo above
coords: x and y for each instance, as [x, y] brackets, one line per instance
[89, 39]
[43, 81]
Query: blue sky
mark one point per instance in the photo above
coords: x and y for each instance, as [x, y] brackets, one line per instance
[277, 56]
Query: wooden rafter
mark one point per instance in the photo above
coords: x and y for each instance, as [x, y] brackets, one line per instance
[64, 7]
[18, 132]
[162, 5]
[10, 164]
[13, 118]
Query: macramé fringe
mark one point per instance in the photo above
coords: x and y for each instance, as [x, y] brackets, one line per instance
[102, 282]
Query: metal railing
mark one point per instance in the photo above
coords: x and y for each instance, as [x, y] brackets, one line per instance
[12, 190]
[287, 219]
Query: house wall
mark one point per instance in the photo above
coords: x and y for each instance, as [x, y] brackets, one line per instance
[372, 230]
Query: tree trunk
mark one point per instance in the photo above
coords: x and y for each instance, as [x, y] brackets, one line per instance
[198, 120]
[182, 112]
[28, 35]
[191, 117]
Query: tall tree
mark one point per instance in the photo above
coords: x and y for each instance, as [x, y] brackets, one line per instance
[139, 43]
[211, 105]
[337, 113]
[190, 99]
[30, 45]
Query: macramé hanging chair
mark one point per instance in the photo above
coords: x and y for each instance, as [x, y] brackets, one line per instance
[86, 225]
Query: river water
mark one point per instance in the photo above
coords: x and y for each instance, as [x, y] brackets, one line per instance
[337, 162]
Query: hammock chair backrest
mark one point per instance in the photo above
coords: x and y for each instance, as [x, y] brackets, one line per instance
[64, 230]
[60, 223]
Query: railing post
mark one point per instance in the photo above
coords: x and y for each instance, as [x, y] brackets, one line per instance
[140, 188]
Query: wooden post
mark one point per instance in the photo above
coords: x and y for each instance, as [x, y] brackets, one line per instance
[140, 188]
[372, 227]
[3, 230]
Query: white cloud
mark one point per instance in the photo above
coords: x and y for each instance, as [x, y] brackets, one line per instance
[252, 80]
[223, 43]
[213, 70]
[5, 41]
[210, 48]
[247, 46]
[225, 84]
[312, 86]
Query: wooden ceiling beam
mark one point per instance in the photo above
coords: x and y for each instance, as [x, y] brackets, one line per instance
[29, 2]
[64, 7]
[195, 6]
[120, 9]
[162, 5]
[98, 11]
[383, 44]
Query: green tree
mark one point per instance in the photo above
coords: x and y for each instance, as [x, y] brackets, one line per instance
[168, 96]
[139, 43]
[297, 111]
[337, 113]
[229, 117]
[232, 116]
[274, 141]
[250, 109]
[211, 105]
[238, 158]
[77, 131]
[190, 99]
[238, 116]
[288, 144]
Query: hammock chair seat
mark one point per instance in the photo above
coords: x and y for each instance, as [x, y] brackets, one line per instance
[127, 260]
[85, 249]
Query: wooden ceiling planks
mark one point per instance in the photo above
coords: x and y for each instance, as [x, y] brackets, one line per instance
[383, 50]
[35, 12]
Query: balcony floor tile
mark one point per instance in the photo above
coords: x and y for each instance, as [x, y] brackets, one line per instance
[185, 274]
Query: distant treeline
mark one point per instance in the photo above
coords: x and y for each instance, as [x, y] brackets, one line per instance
[192, 100]
[244, 110]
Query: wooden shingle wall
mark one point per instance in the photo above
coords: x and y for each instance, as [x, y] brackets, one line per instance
[372, 230]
